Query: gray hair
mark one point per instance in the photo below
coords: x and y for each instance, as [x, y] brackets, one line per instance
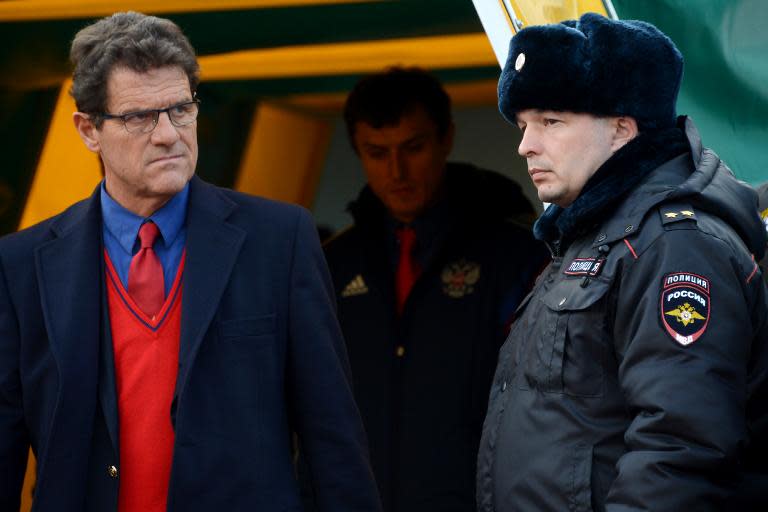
[125, 39]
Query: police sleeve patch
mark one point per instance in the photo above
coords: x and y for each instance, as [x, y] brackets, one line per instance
[685, 306]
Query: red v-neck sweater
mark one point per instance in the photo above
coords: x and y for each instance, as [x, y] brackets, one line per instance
[146, 363]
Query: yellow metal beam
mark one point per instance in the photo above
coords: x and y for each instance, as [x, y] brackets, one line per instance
[284, 155]
[435, 52]
[465, 94]
[541, 12]
[66, 172]
[455, 51]
[29, 484]
[28, 10]
[502, 19]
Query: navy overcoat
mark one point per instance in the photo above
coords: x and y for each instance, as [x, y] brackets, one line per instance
[261, 356]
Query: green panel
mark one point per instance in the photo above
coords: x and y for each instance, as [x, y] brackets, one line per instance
[24, 120]
[724, 90]
[35, 53]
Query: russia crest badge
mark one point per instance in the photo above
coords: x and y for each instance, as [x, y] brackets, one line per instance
[685, 306]
[459, 278]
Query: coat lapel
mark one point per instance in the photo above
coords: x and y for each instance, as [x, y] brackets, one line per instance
[70, 291]
[212, 249]
[107, 377]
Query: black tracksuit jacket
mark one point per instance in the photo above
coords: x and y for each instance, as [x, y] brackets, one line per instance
[421, 380]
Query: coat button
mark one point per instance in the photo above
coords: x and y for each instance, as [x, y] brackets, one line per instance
[400, 351]
[112, 471]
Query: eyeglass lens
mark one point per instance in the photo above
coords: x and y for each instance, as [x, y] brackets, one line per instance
[145, 121]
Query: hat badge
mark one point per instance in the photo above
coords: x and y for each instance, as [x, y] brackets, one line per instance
[520, 62]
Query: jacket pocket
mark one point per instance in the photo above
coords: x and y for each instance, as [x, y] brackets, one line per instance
[247, 327]
[576, 345]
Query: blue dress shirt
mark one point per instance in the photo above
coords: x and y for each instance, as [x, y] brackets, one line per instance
[121, 230]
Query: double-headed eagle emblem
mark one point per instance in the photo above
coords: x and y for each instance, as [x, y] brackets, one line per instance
[685, 314]
[459, 278]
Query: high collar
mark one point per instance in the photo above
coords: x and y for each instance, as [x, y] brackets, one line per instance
[611, 183]
[470, 194]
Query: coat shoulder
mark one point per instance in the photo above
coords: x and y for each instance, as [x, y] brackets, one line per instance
[339, 246]
[680, 232]
[21, 244]
[254, 212]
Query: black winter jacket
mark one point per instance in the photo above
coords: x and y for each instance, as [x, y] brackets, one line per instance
[422, 380]
[635, 375]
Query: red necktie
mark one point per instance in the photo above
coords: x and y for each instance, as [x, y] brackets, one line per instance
[145, 276]
[407, 268]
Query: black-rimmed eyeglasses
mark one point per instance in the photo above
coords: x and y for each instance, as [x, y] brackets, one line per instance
[144, 121]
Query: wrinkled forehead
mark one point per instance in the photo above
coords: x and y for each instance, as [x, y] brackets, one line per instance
[153, 88]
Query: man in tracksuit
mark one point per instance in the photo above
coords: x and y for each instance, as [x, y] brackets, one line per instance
[427, 280]
[634, 375]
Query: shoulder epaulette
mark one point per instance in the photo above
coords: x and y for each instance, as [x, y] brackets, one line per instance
[675, 212]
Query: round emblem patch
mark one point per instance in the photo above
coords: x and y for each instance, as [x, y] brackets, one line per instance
[520, 62]
[459, 278]
[685, 306]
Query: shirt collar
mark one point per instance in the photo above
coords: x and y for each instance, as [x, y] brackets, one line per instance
[124, 224]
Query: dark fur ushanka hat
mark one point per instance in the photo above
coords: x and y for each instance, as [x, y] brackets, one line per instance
[594, 65]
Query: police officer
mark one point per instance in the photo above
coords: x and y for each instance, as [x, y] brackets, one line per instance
[630, 380]
[427, 280]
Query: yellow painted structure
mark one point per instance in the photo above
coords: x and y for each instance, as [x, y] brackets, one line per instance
[25, 10]
[29, 482]
[67, 170]
[438, 52]
[464, 94]
[284, 154]
[539, 12]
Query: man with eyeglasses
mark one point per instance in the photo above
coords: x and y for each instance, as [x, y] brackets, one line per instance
[161, 341]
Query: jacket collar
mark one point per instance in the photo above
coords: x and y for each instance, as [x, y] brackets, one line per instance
[471, 194]
[609, 187]
[701, 180]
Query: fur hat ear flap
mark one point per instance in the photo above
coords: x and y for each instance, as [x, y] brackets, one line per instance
[594, 65]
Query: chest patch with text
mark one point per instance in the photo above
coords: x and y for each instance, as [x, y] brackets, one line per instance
[584, 267]
[685, 306]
